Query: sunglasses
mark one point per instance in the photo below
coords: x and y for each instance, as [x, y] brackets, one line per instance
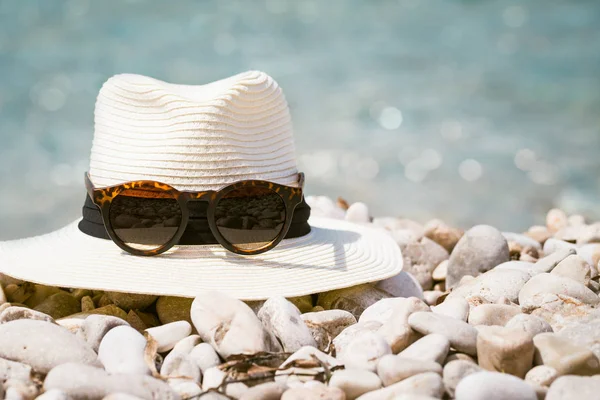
[147, 218]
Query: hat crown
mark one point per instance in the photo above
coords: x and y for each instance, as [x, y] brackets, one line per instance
[192, 137]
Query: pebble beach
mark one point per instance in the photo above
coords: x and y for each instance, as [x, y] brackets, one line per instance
[476, 314]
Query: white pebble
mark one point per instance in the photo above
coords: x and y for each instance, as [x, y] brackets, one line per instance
[122, 351]
[205, 356]
[358, 212]
[169, 334]
[494, 386]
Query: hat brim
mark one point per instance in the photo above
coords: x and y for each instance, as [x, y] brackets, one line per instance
[334, 255]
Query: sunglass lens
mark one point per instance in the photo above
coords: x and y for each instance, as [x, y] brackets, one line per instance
[145, 219]
[250, 218]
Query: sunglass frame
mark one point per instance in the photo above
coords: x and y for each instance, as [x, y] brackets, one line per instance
[103, 197]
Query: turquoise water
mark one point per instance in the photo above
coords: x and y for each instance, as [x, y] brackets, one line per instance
[472, 111]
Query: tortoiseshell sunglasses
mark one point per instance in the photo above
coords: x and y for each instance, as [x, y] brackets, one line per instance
[147, 218]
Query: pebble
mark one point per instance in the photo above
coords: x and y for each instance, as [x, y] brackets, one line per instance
[462, 336]
[420, 259]
[205, 356]
[186, 389]
[440, 272]
[427, 384]
[358, 212]
[17, 390]
[323, 206]
[120, 396]
[41, 293]
[171, 309]
[87, 304]
[86, 382]
[355, 382]
[122, 351]
[522, 240]
[432, 347]
[565, 357]
[214, 396]
[589, 234]
[454, 307]
[304, 303]
[396, 331]
[539, 233]
[264, 391]
[59, 305]
[110, 309]
[392, 369]
[71, 324]
[442, 234]
[180, 366]
[214, 377]
[12, 370]
[547, 264]
[325, 393]
[13, 313]
[255, 305]
[574, 387]
[532, 293]
[138, 321]
[585, 333]
[81, 293]
[570, 234]
[551, 245]
[414, 397]
[354, 299]
[94, 328]
[454, 371]
[403, 284]
[479, 250]
[281, 317]
[541, 375]
[504, 350]
[404, 236]
[342, 340]
[324, 326]
[56, 394]
[493, 285]
[149, 319]
[297, 375]
[130, 301]
[493, 386]
[187, 344]
[530, 324]
[574, 267]
[382, 310]
[556, 219]
[230, 326]
[19, 293]
[518, 265]
[590, 253]
[43, 345]
[365, 351]
[561, 310]
[493, 314]
[453, 355]
[431, 296]
[168, 335]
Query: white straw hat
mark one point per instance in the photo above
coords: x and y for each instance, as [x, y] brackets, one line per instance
[200, 138]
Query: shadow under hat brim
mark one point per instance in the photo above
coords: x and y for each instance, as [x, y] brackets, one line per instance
[334, 255]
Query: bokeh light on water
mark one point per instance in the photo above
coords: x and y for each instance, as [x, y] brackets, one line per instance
[471, 111]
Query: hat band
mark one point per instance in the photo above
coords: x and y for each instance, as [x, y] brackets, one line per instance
[197, 231]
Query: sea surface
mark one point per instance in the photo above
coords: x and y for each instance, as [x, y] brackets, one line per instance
[470, 111]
